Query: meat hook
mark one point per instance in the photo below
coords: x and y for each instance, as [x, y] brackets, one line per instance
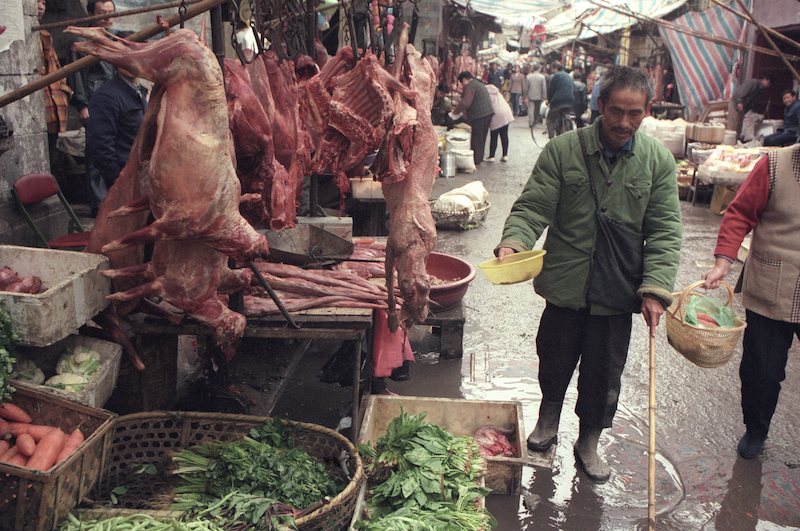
[274, 295]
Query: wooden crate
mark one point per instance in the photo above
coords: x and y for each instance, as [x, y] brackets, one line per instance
[31, 500]
[461, 418]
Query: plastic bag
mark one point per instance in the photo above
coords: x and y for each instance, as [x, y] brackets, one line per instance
[706, 312]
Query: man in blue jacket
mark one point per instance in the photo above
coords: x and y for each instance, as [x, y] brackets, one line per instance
[116, 111]
[787, 135]
[561, 97]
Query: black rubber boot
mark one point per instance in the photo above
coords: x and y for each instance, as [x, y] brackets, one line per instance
[586, 455]
[546, 432]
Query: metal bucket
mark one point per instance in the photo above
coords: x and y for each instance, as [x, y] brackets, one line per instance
[448, 163]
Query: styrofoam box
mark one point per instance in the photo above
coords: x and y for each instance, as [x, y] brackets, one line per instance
[366, 188]
[103, 381]
[75, 292]
[461, 418]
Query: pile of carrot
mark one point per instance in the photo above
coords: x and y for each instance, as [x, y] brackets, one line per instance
[33, 445]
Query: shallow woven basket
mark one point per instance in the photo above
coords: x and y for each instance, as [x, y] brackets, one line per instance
[153, 437]
[460, 220]
[705, 347]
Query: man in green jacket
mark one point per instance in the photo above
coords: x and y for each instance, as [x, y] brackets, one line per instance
[636, 185]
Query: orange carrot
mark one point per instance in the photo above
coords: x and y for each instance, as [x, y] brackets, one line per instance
[4, 446]
[5, 429]
[26, 444]
[47, 451]
[707, 320]
[37, 431]
[11, 452]
[19, 460]
[9, 411]
[72, 443]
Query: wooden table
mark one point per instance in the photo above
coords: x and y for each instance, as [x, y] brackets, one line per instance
[345, 324]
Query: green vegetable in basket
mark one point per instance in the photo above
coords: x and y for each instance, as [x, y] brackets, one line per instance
[8, 352]
[716, 309]
[135, 522]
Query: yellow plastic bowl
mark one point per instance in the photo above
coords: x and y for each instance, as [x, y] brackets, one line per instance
[517, 267]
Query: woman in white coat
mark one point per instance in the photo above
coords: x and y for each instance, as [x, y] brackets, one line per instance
[499, 124]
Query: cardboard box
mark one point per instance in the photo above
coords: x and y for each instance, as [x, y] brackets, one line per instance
[366, 188]
[76, 292]
[461, 418]
[722, 197]
[103, 381]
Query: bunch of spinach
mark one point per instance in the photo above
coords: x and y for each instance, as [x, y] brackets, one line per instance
[433, 483]
[8, 352]
[245, 478]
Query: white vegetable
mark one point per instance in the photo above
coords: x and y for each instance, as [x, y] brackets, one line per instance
[82, 360]
[27, 371]
[68, 381]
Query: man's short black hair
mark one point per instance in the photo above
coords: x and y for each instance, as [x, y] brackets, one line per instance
[443, 87]
[769, 78]
[466, 74]
[90, 5]
[788, 91]
[620, 77]
[557, 66]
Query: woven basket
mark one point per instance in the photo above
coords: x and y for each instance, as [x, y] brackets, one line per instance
[34, 501]
[705, 347]
[461, 220]
[153, 437]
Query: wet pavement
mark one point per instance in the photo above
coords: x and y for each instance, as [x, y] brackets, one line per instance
[701, 483]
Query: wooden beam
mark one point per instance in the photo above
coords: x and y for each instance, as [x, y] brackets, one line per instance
[115, 14]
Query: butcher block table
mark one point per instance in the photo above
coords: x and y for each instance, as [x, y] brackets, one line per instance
[336, 323]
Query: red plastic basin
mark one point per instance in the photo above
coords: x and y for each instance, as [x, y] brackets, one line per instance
[447, 267]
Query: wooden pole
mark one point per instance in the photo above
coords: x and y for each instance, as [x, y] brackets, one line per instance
[89, 60]
[769, 40]
[651, 484]
[115, 14]
[771, 31]
[699, 34]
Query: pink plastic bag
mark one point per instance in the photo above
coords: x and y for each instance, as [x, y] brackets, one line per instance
[389, 350]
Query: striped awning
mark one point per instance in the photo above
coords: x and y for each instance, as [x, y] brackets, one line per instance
[705, 71]
[605, 21]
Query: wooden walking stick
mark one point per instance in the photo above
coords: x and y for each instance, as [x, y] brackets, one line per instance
[651, 490]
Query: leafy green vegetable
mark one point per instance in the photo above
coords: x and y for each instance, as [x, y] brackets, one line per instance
[433, 479]
[82, 360]
[8, 352]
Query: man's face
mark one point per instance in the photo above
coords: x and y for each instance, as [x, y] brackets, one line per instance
[104, 8]
[788, 99]
[40, 8]
[494, 67]
[622, 115]
[765, 83]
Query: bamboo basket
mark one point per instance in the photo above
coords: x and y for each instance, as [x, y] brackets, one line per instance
[460, 220]
[705, 347]
[153, 437]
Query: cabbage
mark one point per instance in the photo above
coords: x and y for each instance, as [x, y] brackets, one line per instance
[68, 381]
[82, 360]
[26, 371]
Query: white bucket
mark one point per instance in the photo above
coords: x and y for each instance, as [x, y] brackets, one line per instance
[730, 138]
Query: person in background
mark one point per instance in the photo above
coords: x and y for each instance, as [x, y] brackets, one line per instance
[787, 135]
[581, 97]
[561, 95]
[245, 36]
[535, 93]
[441, 107]
[499, 124]
[56, 95]
[594, 109]
[558, 198]
[116, 111]
[87, 81]
[576, 71]
[745, 99]
[768, 203]
[495, 76]
[477, 106]
[516, 86]
[485, 73]
[508, 71]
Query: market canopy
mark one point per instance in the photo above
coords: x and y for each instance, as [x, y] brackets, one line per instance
[513, 12]
[589, 19]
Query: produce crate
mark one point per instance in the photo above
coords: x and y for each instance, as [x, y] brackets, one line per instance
[31, 500]
[461, 220]
[366, 188]
[461, 418]
[103, 380]
[152, 437]
[75, 292]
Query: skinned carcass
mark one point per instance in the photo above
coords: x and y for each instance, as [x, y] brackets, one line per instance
[186, 179]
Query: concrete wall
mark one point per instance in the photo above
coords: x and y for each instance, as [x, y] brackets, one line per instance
[776, 13]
